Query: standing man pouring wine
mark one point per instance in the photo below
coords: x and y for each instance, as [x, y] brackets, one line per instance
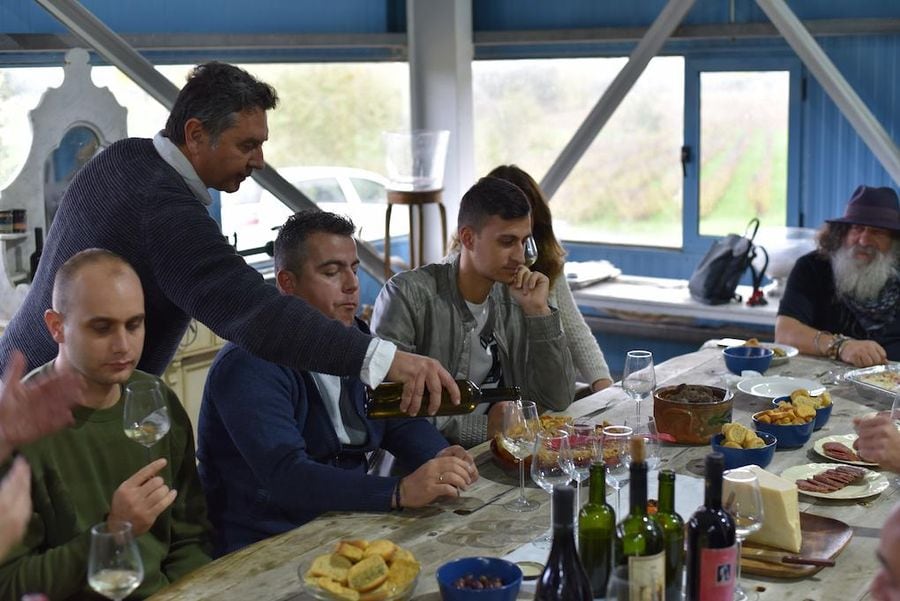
[485, 316]
[92, 472]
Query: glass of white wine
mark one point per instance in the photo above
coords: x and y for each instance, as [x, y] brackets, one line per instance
[145, 416]
[743, 500]
[115, 568]
[551, 464]
[520, 424]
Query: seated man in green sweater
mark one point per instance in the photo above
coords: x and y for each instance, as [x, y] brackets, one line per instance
[91, 472]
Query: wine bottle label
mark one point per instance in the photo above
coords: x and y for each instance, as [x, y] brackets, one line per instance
[718, 569]
[647, 577]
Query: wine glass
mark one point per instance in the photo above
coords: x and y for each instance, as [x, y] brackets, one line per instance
[145, 416]
[619, 586]
[582, 445]
[639, 377]
[645, 427]
[531, 251]
[551, 464]
[616, 453]
[115, 568]
[520, 424]
[740, 490]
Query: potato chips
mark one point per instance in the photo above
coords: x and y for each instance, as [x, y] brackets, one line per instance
[737, 436]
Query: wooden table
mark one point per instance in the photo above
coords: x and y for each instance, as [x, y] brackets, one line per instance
[268, 570]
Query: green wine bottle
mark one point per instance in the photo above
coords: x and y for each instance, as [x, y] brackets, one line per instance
[673, 534]
[639, 540]
[596, 531]
[384, 401]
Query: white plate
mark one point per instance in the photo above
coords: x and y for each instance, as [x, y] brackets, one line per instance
[789, 351]
[871, 484]
[846, 440]
[771, 387]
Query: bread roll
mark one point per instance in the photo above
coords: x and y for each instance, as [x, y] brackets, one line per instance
[368, 574]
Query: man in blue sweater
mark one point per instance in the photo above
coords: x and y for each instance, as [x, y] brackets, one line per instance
[279, 446]
[146, 200]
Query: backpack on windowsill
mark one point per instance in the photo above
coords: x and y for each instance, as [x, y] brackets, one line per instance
[716, 277]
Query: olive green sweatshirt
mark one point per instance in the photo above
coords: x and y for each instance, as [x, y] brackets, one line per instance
[74, 475]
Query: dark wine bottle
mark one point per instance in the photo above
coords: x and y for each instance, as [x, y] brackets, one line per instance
[563, 578]
[711, 560]
[596, 531]
[673, 534]
[639, 540]
[384, 401]
[36, 255]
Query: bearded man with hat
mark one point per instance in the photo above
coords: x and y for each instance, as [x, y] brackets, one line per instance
[843, 300]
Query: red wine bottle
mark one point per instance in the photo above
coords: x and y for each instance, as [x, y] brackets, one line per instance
[711, 550]
[563, 578]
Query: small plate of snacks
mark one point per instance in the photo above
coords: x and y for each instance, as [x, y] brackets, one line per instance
[361, 569]
[827, 481]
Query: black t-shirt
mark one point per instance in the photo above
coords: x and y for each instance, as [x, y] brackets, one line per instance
[810, 297]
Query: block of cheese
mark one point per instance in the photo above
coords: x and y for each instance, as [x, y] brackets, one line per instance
[781, 512]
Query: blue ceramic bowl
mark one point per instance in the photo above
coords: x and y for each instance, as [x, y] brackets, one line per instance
[508, 572]
[788, 437]
[741, 457]
[822, 415]
[739, 358]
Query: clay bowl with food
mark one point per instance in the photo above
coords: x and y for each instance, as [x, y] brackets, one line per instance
[691, 413]
[479, 579]
[739, 457]
[823, 413]
[740, 358]
[789, 436]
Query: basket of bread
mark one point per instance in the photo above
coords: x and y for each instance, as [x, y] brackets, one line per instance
[361, 570]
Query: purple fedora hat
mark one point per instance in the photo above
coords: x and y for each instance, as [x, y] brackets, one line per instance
[873, 207]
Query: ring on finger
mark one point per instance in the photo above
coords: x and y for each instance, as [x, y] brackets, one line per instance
[441, 478]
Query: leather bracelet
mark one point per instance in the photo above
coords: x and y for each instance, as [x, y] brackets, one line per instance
[840, 345]
[834, 348]
[816, 342]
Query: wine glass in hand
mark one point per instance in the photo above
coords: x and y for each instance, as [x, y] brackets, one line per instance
[520, 424]
[551, 464]
[115, 568]
[531, 251]
[639, 377]
[743, 500]
[145, 416]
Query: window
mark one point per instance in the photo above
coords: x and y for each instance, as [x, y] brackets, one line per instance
[743, 149]
[627, 188]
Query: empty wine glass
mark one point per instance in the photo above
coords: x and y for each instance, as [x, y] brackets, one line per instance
[616, 453]
[743, 500]
[639, 377]
[520, 424]
[115, 568]
[645, 427]
[551, 464]
[619, 586]
[145, 416]
[531, 251]
[582, 445]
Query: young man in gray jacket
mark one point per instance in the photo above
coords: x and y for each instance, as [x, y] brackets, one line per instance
[485, 316]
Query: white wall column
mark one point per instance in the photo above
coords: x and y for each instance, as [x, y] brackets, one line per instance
[440, 72]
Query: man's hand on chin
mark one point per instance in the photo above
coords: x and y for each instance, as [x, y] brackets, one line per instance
[531, 289]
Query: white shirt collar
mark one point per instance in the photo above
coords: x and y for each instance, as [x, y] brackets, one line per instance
[176, 159]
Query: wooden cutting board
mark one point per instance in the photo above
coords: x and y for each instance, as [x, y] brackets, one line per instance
[823, 538]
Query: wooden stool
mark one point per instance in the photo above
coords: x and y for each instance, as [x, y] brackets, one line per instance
[413, 199]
